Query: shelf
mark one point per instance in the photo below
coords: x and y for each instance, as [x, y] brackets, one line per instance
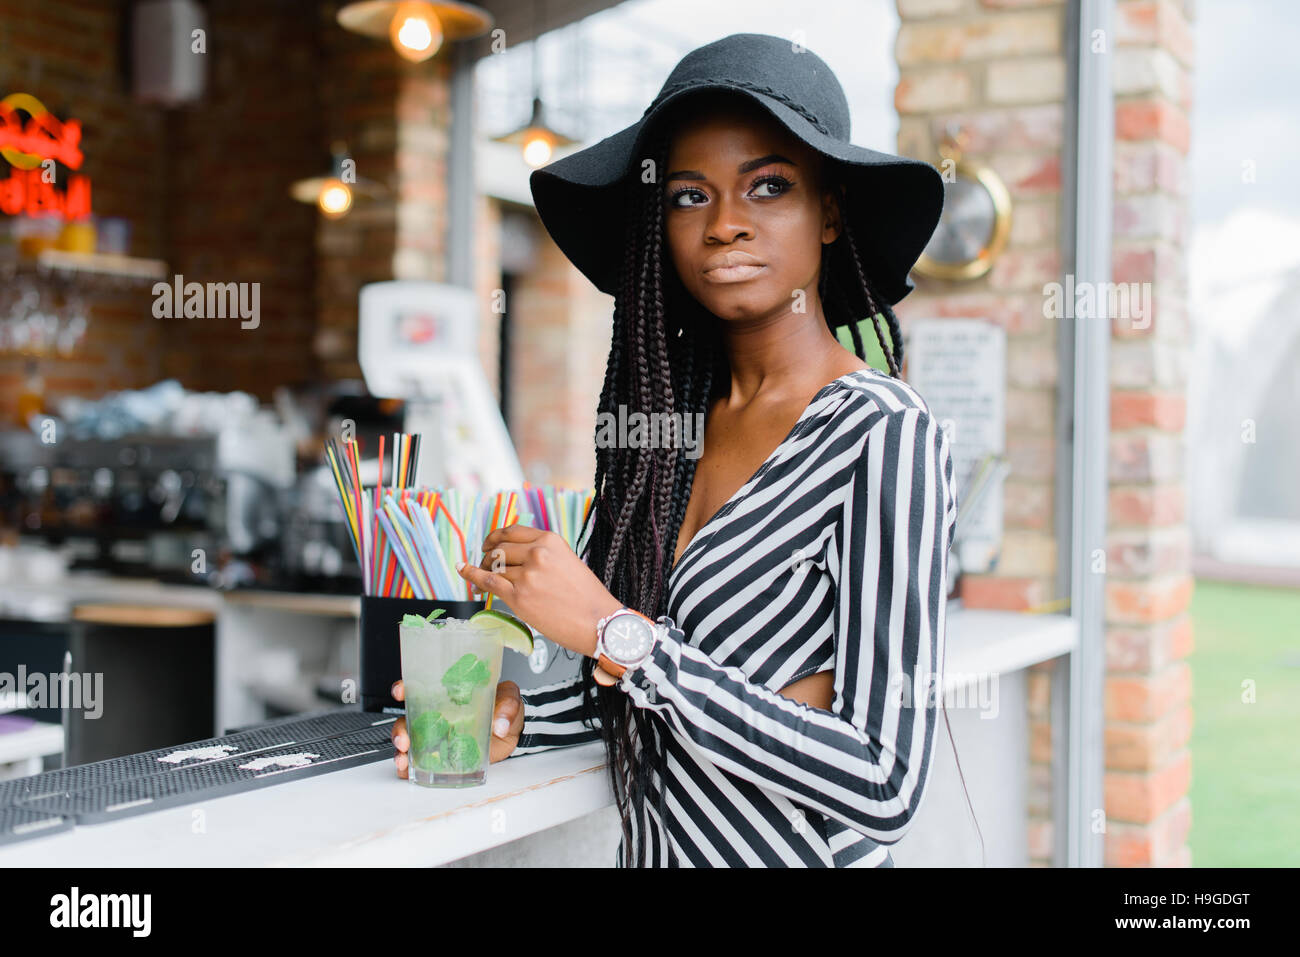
[102, 264]
[98, 265]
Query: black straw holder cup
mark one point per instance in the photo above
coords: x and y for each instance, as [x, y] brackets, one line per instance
[381, 648]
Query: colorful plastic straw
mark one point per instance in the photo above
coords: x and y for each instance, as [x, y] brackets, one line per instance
[407, 540]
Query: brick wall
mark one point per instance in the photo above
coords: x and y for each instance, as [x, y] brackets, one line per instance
[206, 186]
[65, 54]
[359, 88]
[997, 67]
[227, 213]
[1148, 578]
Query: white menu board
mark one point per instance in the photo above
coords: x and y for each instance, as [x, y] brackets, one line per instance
[959, 368]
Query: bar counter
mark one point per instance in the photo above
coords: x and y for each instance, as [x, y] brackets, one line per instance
[359, 817]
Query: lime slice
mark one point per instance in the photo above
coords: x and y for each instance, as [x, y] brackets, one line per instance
[507, 629]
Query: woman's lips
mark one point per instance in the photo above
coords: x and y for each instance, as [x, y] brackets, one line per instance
[732, 273]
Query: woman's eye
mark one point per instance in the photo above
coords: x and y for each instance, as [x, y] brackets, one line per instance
[683, 192]
[781, 185]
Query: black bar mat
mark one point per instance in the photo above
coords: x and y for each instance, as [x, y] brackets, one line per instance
[281, 732]
[213, 779]
[20, 824]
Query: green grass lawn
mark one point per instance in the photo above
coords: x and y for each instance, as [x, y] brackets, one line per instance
[1245, 757]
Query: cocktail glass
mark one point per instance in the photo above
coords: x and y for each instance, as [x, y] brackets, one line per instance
[450, 672]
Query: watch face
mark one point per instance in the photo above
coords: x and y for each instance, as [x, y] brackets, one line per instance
[628, 638]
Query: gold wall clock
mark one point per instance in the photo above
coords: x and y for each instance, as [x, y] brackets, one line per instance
[976, 218]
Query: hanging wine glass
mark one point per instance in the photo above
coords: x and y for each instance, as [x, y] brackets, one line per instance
[73, 330]
[23, 305]
[43, 322]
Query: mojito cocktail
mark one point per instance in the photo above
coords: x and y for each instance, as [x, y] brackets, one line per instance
[450, 670]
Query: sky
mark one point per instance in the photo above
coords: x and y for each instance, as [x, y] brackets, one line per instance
[1246, 106]
[1245, 119]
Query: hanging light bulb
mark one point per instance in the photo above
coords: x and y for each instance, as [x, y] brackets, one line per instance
[535, 139]
[537, 149]
[415, 31]
[416, 28]
[335, 199]
[334, 192]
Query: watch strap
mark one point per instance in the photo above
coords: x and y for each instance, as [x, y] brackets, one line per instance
[611, 670]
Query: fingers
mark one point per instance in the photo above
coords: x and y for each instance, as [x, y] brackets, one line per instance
[507, 722]
[512, 533]
[498, 583]
[506, 553]
[399, 690]
[508, 712]
[402, 743]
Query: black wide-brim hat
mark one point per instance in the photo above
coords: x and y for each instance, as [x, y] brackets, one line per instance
[893, 202]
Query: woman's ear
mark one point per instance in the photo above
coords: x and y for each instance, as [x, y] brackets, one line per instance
[832, 212]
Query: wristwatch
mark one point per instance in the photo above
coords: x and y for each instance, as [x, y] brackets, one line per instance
[624, 639]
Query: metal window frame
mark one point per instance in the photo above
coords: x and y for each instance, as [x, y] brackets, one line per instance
[1083, 433]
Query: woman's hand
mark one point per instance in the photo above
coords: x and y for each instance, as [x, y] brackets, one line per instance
[538, 575]
[507, 725]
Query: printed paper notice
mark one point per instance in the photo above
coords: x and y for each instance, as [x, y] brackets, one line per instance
[959, 368]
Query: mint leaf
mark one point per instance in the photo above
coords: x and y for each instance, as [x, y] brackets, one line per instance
[463, 752]
[416, 621]
[428, 731]
[468, 673]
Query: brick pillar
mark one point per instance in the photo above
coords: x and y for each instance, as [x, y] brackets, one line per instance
[1149, 584]
[561, 343]
[997, 67]
[487, 286]
[423, 116]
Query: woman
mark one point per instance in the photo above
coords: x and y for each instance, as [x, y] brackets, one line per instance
[758, 622]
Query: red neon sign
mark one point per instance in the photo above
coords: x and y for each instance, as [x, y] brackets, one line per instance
[26, 145]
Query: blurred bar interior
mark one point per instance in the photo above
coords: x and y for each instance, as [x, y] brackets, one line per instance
[228, 231]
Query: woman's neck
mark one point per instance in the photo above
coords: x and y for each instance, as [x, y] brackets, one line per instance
[794, 353]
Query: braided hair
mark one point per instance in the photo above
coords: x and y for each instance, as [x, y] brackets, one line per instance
[667, 356]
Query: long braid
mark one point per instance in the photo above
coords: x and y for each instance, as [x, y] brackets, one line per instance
[894, 355]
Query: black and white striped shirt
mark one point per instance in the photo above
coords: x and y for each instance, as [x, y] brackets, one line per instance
[833, 556]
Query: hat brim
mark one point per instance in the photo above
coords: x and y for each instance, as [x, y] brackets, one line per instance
[894, 202]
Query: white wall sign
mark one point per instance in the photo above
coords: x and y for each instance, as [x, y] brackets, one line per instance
[959, 368]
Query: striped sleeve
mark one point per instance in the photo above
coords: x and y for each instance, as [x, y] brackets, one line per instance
[865, 762]
[553, 718]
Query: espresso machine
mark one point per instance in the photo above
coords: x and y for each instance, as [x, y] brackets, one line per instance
[137, 506]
